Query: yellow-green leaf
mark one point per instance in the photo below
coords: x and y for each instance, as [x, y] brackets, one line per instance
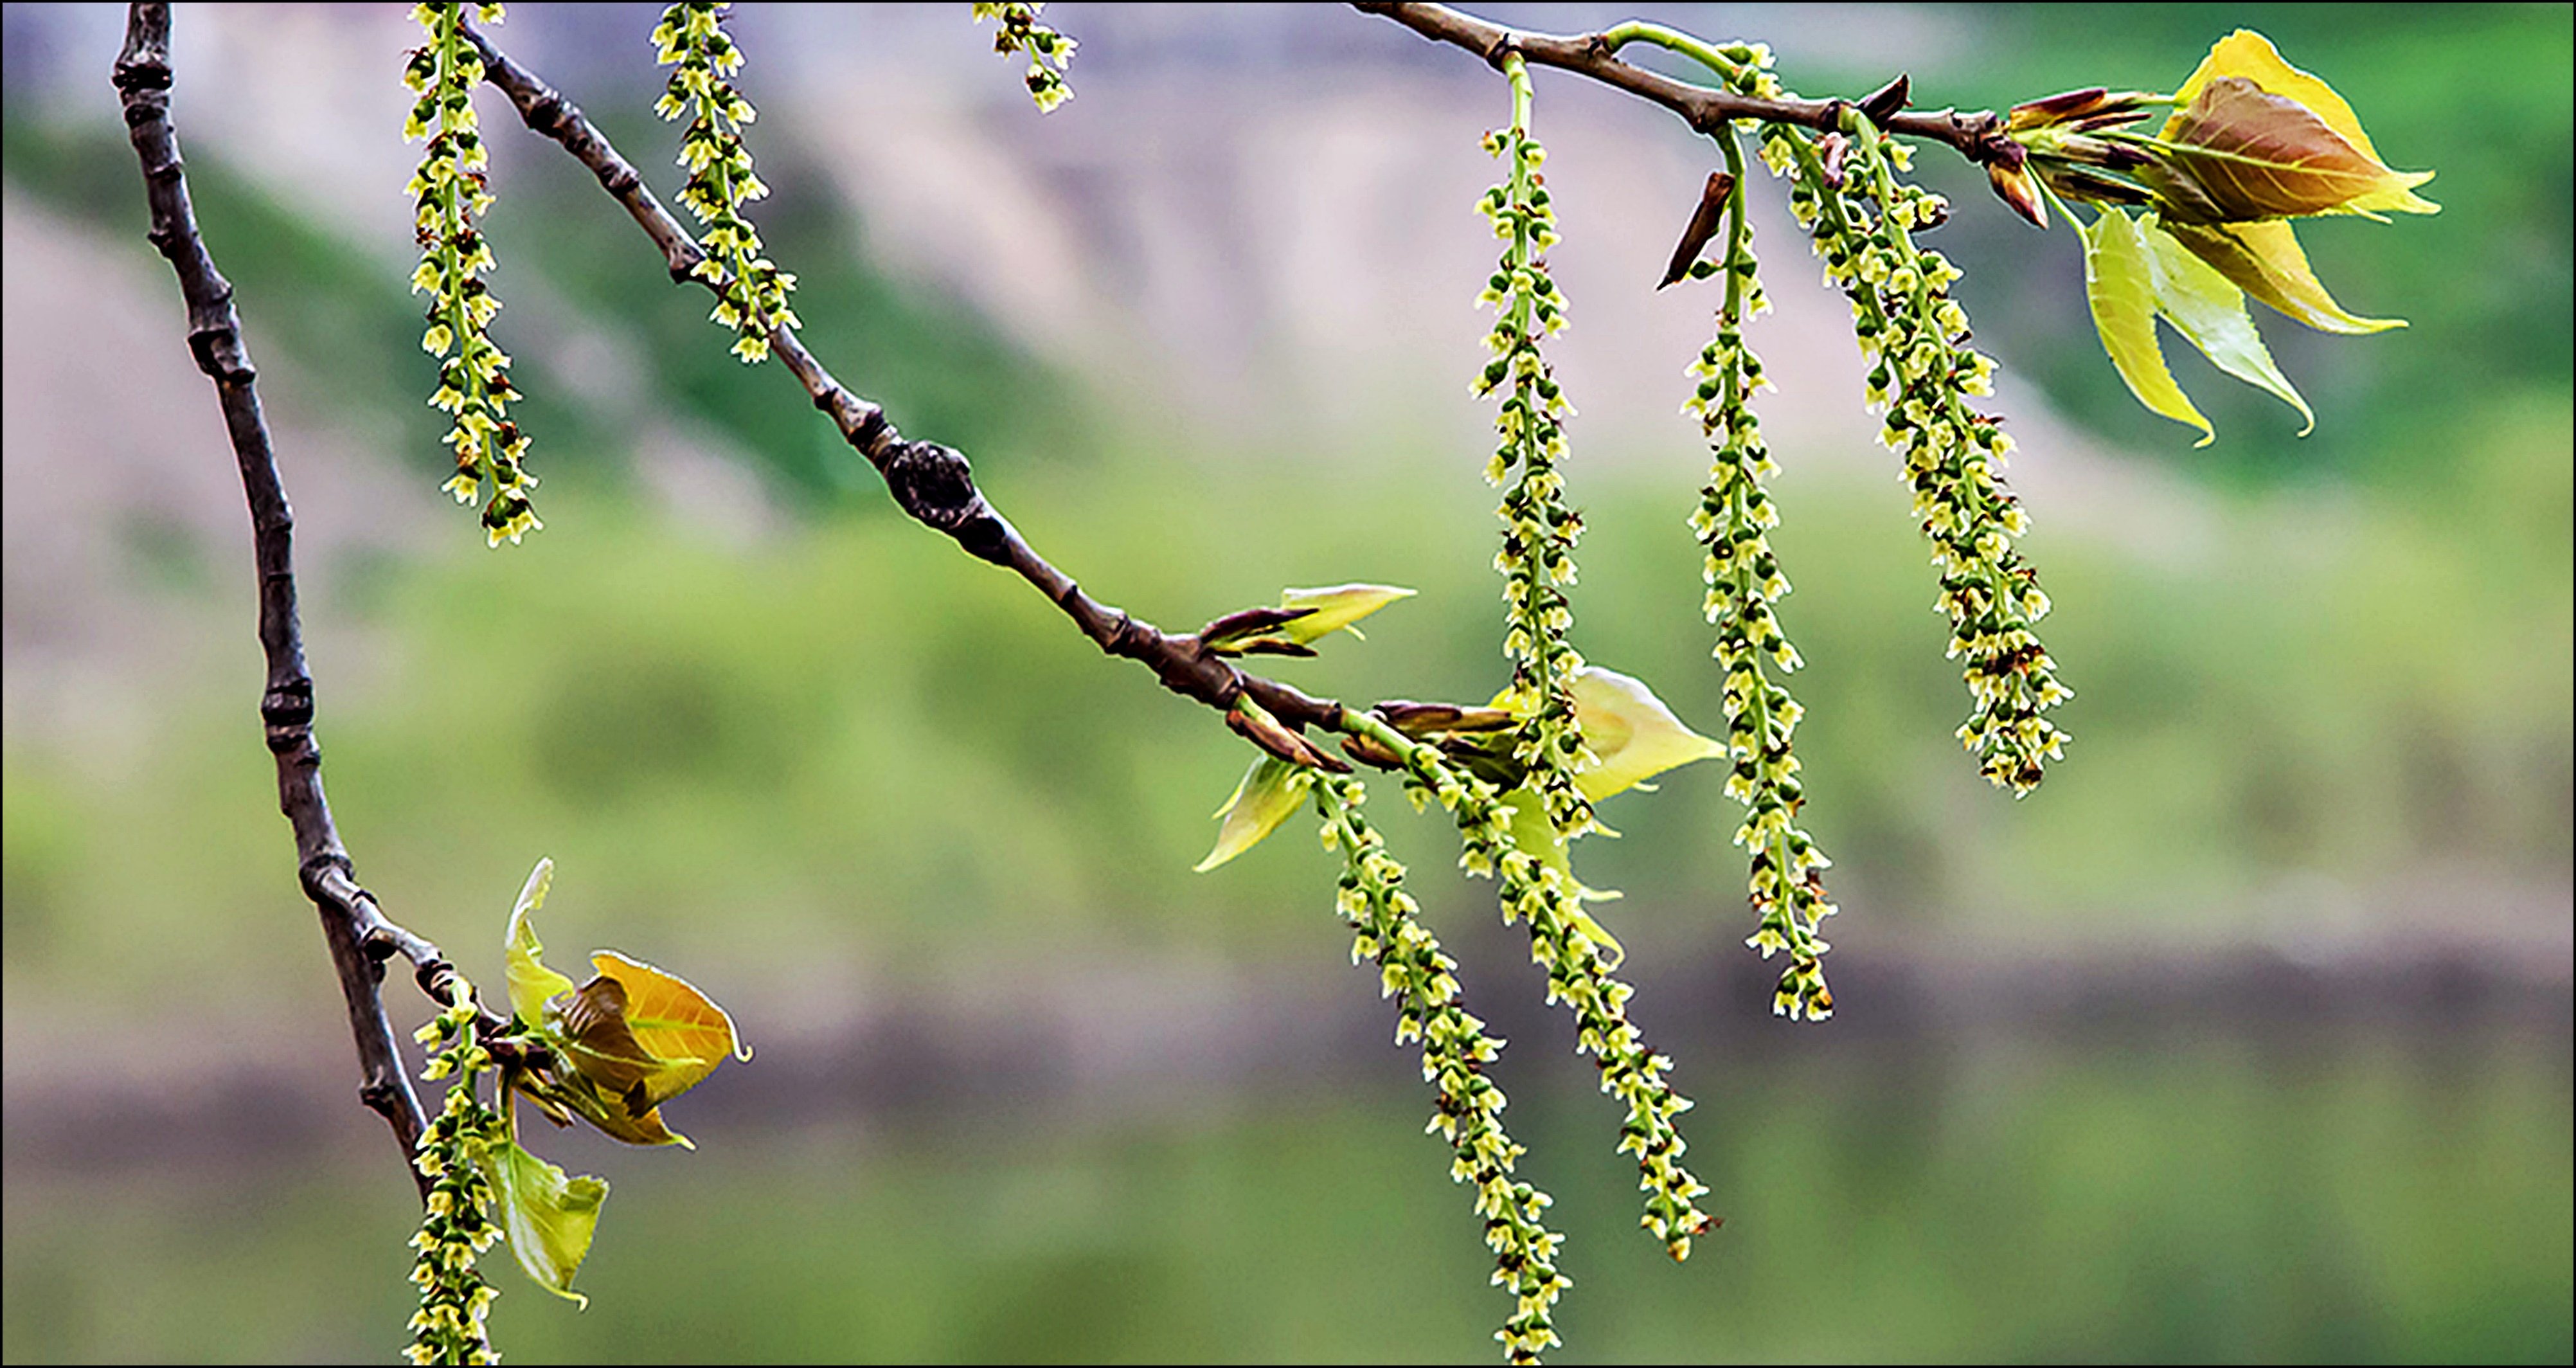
[531, 982]
[2250, 55]
[1336, 607]
[1632, 736]
[1268, 794]
[680, 1027]
[2210, 314]
[2264, 260]
[2120, 285]
[2260, 155]
[1536, 837]
[547, 1216]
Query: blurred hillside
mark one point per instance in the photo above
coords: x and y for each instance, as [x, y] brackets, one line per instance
[2300, 894]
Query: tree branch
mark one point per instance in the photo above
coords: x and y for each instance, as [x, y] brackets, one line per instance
[932, 483]
[1977, 136]
[361, 938]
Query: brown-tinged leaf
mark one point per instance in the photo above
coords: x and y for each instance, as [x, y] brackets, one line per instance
[2250, 55]
[2261, 156]
[1254, 723]
[598, 1039]
[2264, 260]
[1369, 751]
[617, 1115]
[681, 1029]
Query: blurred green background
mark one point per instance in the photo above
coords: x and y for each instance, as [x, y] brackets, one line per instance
[2247, 1037]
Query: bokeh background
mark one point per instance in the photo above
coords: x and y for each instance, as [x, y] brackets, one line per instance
[2247, 1037]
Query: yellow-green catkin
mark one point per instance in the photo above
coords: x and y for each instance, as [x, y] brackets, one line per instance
[1745, 583]
[456, 1223]
[450, 194]
[1423, 980]
[751, 292]
[1539, 528]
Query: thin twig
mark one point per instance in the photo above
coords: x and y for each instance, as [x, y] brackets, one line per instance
[933, 483]
[1977, 136]
[357, 931]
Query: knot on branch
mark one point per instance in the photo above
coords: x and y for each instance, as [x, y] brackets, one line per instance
[288, 705]
[936, 485]
[136, 77]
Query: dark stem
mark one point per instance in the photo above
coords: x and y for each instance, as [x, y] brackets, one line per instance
[932, 483]
[357, 931]
[1977, 136]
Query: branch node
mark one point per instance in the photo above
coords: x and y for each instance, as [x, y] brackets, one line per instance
[289, 704]
[936, 485]
[315, 872]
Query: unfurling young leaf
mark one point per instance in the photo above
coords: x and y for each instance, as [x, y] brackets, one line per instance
[1303, 617]
[2250, 56]
[1631, 734]
[547, 1215]
[2252, 141]
[627, 1041]
[2120, 285]
[2262, 156]
[2264, 260]
[681, 1029]
[2210, 313]
[1335, 607]
[531, 982]
[1270, 792]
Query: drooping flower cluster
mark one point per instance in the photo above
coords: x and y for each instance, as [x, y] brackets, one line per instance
[1422, 979]
[1568, 944]
[751, 292]
[1048, 51]
[1922, 376]
[1744, 583]
[1539, 528]
[459, 1222]
[450, 192]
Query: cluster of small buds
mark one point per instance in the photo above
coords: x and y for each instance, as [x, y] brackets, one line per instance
[1744, 583]
[1750, 72]
[751, 292]
[1048, 51]
[449, 193]
[1549, 901]
[1423, 980]
[1539, 529]
[457, 1224]
[1922, 376]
